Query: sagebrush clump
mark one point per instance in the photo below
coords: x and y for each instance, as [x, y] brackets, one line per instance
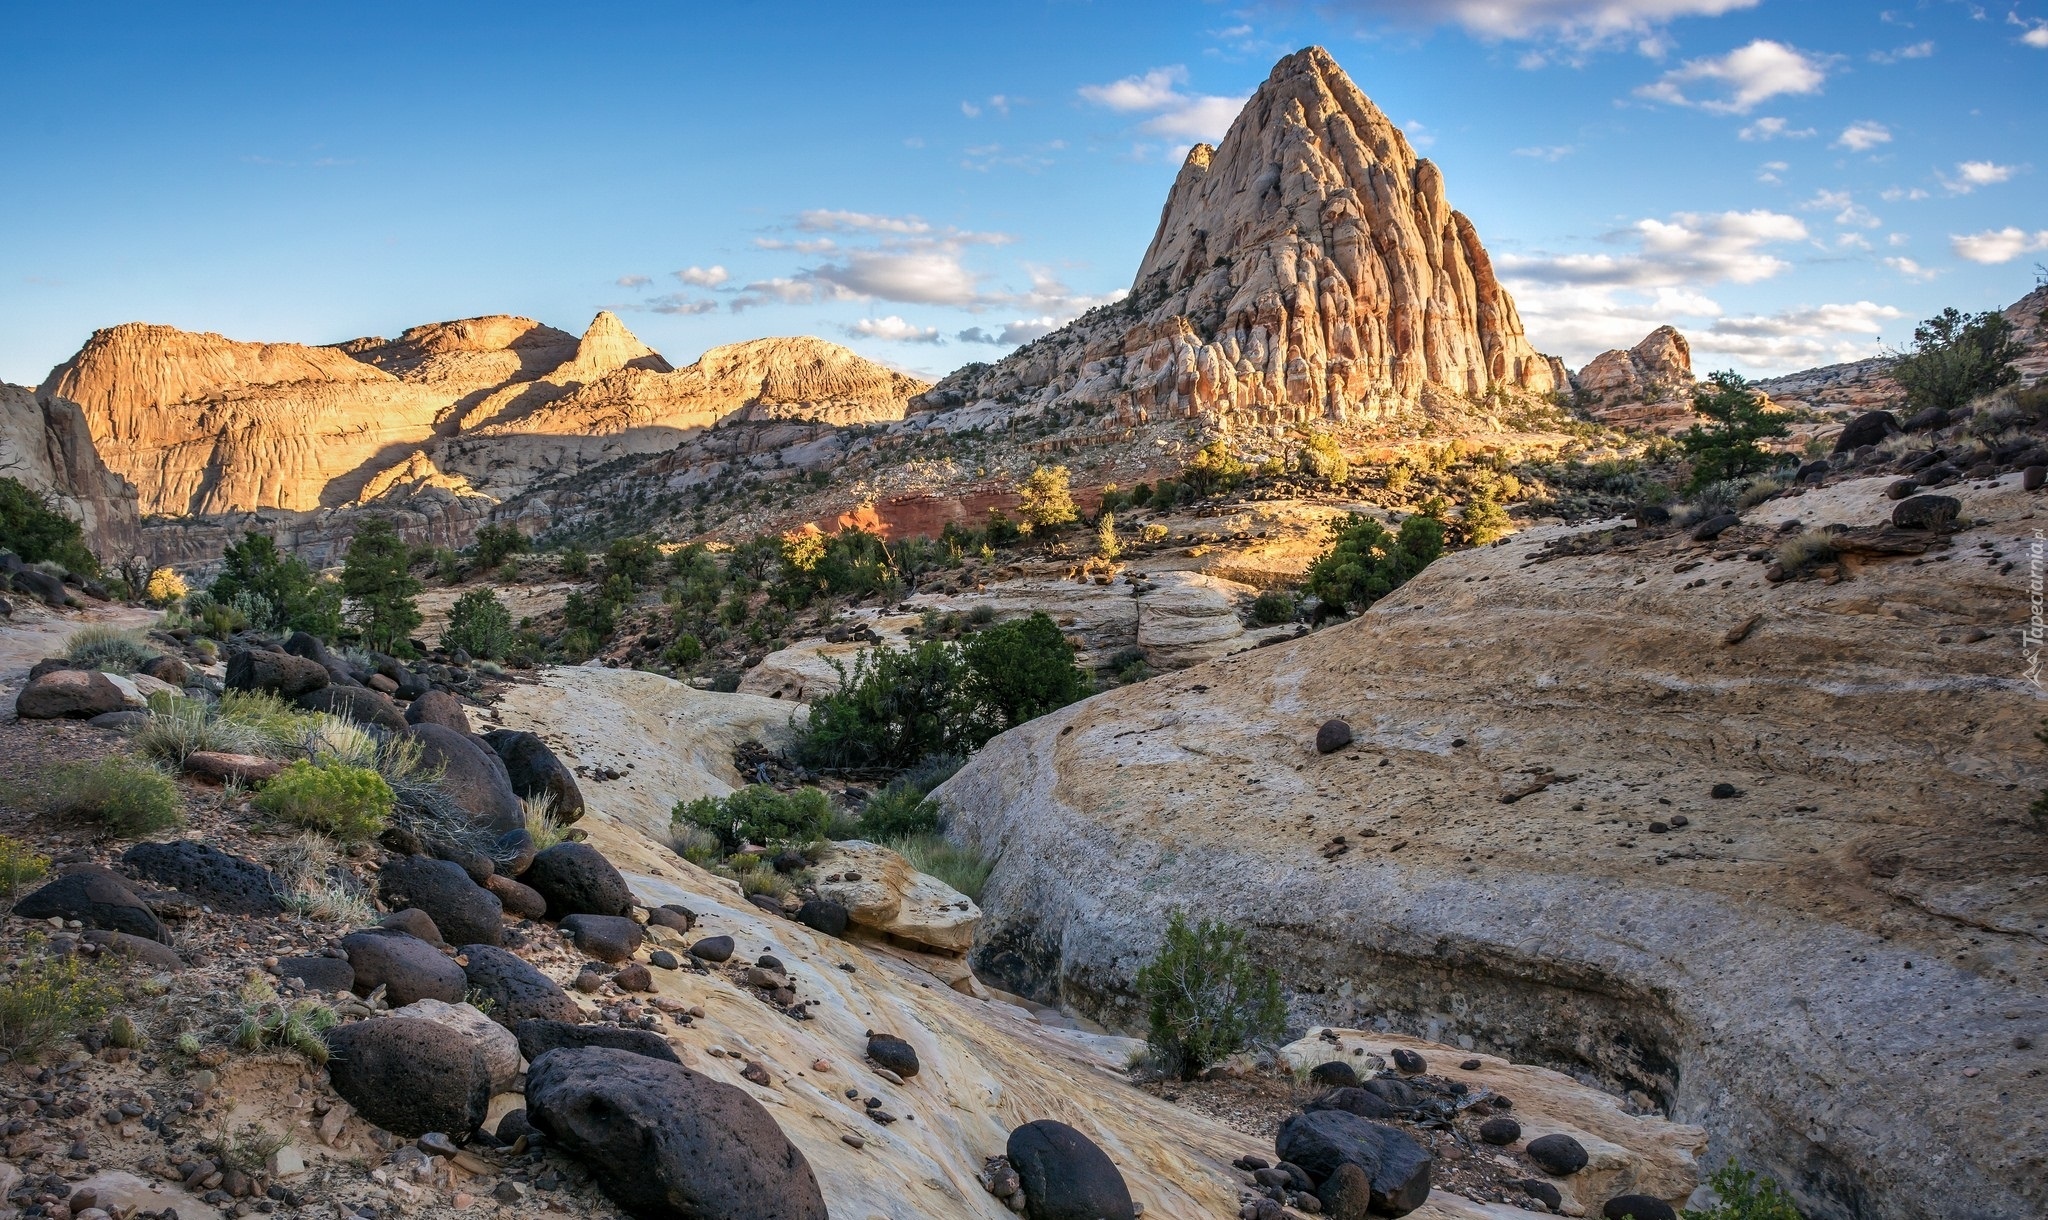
[350, 803]
[49, 997]
[19, 865]
[109, 649]
[127, 797]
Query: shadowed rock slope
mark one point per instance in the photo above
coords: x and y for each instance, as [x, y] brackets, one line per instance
[1835, 963]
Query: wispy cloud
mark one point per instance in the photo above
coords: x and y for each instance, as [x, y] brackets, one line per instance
[892, 329]
[1547, 152]
[1580, 23]
[1972, 174]
[634, 281]
[1910, 269]
[1918, 50]
[1770, 127]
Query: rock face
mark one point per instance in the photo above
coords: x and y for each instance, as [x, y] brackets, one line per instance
[48, 447]
[1574, 936]
[1646, 386]
[1308, 268]
[882, 893]
[592, 411]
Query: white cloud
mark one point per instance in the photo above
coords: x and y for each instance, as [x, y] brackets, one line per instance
[1770, 127]
[634, 281]
[1746, 76]
[1910, 269]
[1863, 136]
[1919, 50]
[2036, 35]
[1972, 174]
[1998, 245]
[1175, 115]
[1892, 194]
[1418, 133]
[922, 277]
[1769, 171]
[1547, 152]
[782, 290]
[1155, 90]
[1584, 22]
[893, 329]
[703, 277]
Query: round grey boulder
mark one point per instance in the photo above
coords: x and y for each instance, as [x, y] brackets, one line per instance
[1065, 1176]
[409, 1075]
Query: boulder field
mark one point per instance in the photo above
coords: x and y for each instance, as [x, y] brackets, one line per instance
[1758, 852]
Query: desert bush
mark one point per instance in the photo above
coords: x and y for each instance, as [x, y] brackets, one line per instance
[1760, 489]
[898, 810]
[1365, 562]
[695, 844]
[350, 803]
[270, 592]
[1213, 471]
[963, 868]
[179, 728]
[1743, 1195]
[1808, 547]
[19, 865]
[1204, 1000]
[313, 883]
[758, 815]
[1273, 607]
[165, 588]
[278, 721]
[127, 797]
[38, 532]
[892, 708]
[764, 880]
[1106, 544]
[981, 615]
[479, 624]
[49, 997]
[1485, 521]
[683, 651]
[1321, 459]
[1022, 669]
[497, 543]
[1957, 356]
[1154, 533]
[110, 649]
[1045, 499]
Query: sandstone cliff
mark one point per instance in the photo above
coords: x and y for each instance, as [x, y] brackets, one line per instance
[48, 448]
[638, 408]
[1836, 963]
[1308, 268]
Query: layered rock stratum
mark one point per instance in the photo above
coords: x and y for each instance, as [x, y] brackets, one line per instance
[1309, 268]
[1835, 963]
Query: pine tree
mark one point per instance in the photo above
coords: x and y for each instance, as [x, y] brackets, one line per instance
[1729, 448]
[377, 577]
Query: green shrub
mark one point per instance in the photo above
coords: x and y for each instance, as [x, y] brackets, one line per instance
[350, 803]
[537, 813]
[575, 562]
[19, 865]
[893, 708]
[963, 868]
[179, 728]
[497, 543]
[1745, 1196]
[35, 530]
[696, 844]
[1365, 562]
[377, 577]
[48, 998]
[685, 650]
[1204, 1001]
[1485, 521]
[270, 592]
[1321, 459]
[981, 615]
[479, 624]
[758, 815]
[281, 725]
[269, 1022]
[898, 810]
[1022, 669]
[1957, 356]
[314, 885]
[127, 797]
[110, 649]
[1273, 607]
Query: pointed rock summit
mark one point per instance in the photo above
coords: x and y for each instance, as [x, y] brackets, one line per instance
[606, 346]
[1307, 268]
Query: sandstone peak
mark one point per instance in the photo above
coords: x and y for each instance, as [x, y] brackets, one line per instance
[607, 345]
[1309, 267]
[1645, 386]
[488, 334]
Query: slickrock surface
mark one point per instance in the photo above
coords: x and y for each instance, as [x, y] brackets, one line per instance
[1307, 268]
[1838, 970]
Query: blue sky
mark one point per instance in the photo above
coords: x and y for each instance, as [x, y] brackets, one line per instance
[1788, 181]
